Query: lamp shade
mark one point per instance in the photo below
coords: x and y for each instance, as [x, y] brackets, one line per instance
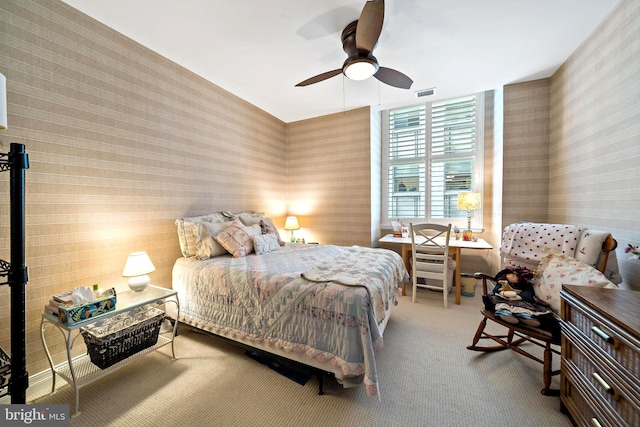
[137, 267]
[291, 223]
[468, 201]
[3, 102]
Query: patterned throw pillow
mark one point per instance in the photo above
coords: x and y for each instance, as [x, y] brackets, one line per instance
[206, 245]
[265, 243]
[236, 239]
[267, 227]
[557, 269]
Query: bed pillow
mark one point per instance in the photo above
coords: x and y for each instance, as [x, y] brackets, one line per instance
[265, 243]
[250, 217]
[557, 269]
[186, 237]
[187, 230]
[206, 245]
[267, 227]
[188, 227]
[589, 246]
[236, 239]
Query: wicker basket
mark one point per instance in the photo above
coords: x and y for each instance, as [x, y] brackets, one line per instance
[123, 337]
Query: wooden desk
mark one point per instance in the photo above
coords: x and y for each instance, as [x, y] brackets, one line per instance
[455, 247]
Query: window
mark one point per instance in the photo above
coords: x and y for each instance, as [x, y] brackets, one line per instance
[432, 152]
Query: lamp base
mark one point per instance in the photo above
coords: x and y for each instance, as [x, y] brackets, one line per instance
[467, 235]
[138, 283]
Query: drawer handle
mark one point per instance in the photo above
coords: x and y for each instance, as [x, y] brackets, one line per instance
[607, 388]
[595, 423]
[606, 337]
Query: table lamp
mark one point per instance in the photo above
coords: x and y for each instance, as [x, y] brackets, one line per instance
[468, 201]
[137, 267]
[292, 224]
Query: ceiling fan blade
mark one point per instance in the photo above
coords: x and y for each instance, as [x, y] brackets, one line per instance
[393, 78]
[369, 26]
[320, 77]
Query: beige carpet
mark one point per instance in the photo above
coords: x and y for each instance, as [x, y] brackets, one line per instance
[427, 376]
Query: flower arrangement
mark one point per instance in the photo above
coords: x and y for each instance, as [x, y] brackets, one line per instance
[632, 250]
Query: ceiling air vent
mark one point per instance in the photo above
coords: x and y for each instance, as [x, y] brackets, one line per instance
[425, 92]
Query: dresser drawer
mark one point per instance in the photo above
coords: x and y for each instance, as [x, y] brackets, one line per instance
[600, 362]
[580, 404]
[598, 382]
[623, 350]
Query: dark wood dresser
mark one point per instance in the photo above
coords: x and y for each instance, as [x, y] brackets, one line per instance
[600, 363]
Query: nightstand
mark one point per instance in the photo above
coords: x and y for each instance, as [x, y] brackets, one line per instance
[81, 371]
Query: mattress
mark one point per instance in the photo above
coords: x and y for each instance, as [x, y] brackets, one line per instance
[322, 305]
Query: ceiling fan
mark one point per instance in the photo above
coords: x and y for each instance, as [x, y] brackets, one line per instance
[359, 38]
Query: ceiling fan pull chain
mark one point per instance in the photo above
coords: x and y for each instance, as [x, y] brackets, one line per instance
[344, 97]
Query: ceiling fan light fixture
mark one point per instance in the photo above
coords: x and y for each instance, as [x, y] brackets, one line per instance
[359, 39]
[360, 69]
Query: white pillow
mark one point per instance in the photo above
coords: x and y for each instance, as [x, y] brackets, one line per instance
[557, 269]
[254, 230]
[267, 227]
[590, 246]
[265, 243]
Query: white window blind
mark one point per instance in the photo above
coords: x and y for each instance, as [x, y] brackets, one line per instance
[432, 152]
[407, 155]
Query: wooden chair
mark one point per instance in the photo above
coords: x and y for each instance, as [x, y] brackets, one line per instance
[524, 334]
[430, 257]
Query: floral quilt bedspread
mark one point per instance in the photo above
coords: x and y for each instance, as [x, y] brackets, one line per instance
[358, 266]
[267, 299]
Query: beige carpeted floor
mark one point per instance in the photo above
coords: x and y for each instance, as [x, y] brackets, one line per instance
[427, 376]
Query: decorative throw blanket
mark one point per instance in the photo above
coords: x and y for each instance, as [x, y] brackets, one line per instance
[525, 241]
[266, 299]
[358, 266]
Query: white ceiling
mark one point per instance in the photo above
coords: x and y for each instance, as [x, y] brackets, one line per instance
[259, 49]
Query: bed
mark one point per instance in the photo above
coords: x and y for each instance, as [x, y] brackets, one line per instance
[323, 306]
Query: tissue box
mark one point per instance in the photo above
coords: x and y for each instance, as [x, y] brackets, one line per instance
[71, 314]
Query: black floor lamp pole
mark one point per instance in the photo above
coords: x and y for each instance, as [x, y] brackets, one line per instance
[18, 277]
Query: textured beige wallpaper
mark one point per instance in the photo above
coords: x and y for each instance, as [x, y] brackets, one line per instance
[329, 172]
[121, 142]
[594, 157]
[525, 152]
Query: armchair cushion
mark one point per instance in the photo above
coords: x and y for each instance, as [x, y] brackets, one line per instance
[556, 269]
